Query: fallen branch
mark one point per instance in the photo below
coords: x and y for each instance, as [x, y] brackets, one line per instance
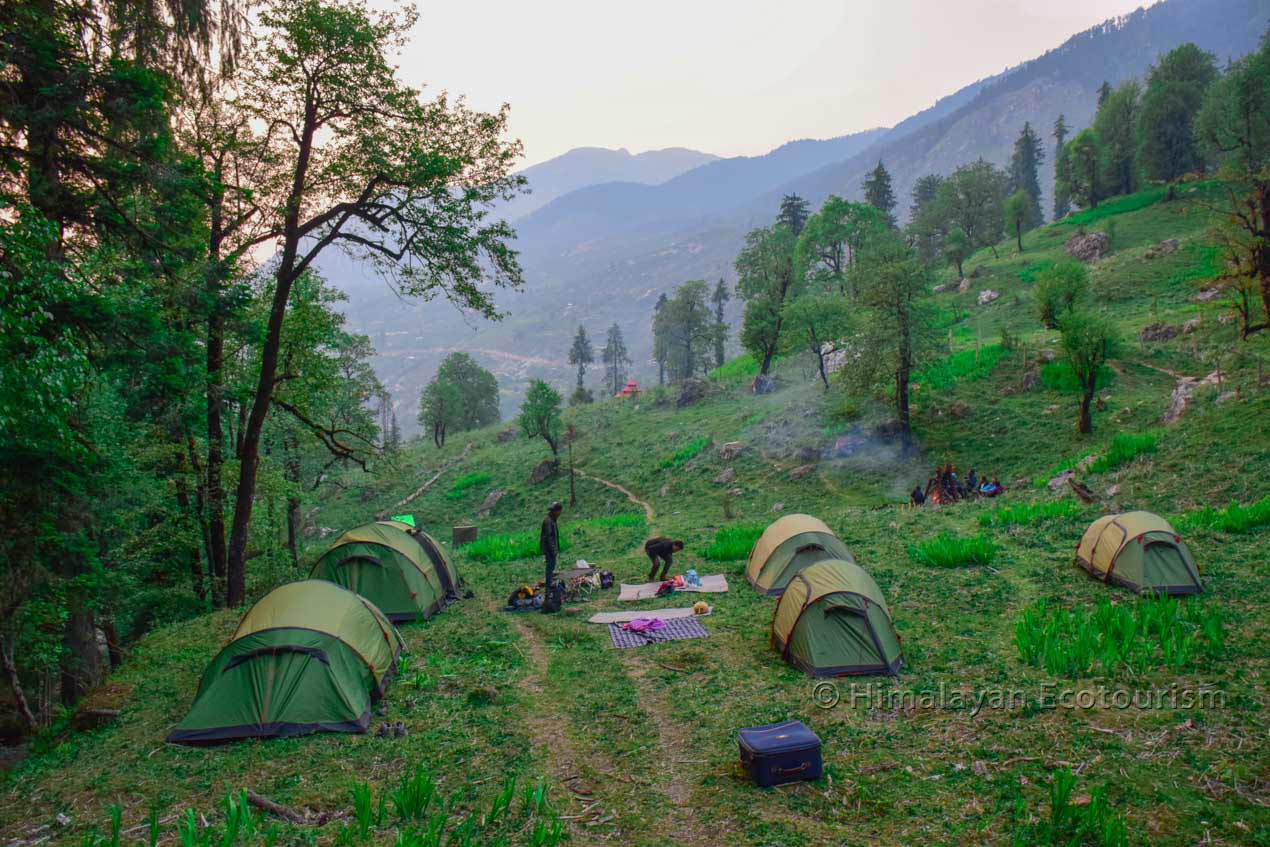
[291, 815]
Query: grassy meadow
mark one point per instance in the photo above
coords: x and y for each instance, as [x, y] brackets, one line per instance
[1014, 721]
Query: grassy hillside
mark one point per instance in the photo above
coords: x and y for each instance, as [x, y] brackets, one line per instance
[972, 744]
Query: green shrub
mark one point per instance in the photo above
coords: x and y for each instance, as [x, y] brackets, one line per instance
[732, 542]
[1114, 637]
[1094, 823]
[1058, 376]
[1234, 518]
[962, 366]
[741, 368]
[1125, 447]
[508, 546]
[1027, 514]
[1057, 291]
[463, 483]
[686, 453]
[948, 550]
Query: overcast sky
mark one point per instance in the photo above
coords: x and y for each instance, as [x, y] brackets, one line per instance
[730, 77]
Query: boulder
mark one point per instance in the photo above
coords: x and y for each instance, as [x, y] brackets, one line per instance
[543, 470]
[1158, 332]
[963, 285]
[506, 435]
[943, 286]
[764, 384]
[692, 391]
[1191, 325]
[1088, 246]
[1208, 295]
[1113, 490]
[488, 504]
[776, 507]
[730, 450]
[987, 296]
[1165, 247]
[725, 477]
[801, 471]
[1060, 480]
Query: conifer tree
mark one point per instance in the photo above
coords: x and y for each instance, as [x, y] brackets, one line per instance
[878, 192]
[720, 298]
[793, 213]
[1062, 200]
[616, 359]
[1026, 160]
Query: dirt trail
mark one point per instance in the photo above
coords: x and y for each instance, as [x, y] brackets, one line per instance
[419, 491]
[649, 512]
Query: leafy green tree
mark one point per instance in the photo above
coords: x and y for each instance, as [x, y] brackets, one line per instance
[582, 353]
[540, 415]
[765, 280]
[1018, 210]
[477, 387]
[1082, 166]
[358, 160]
[616, 360]
[661, 338]
[1089, 340]
[1176, 85]
[972, 199]
[828, 245]
[720, 297]
[1058, 291]
[1234, 127]
[793, 213]
[1025, 162]
[894, 322]
[815, 321]
[688, 329]
[440, 409]
[878, 192]
[957, 249]
[1062, 201]
[926, 227]
[1116, 126]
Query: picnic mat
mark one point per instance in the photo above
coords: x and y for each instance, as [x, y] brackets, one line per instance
[623, 617]
[676, 629]
[713, 584]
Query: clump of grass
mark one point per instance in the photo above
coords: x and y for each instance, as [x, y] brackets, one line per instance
[414, 794]
[963, 366]
[1028, 514]
[1033, 270]
[1234, 518]
[1114, 637]
[685, 453]
[948, 550]
[732, 542]
[508, 546]
[1093, 823]
[1125, 447]
[1113, 207]
[742, 367]
[463, 483]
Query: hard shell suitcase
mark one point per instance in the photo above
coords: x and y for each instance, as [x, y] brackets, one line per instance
[777, 753]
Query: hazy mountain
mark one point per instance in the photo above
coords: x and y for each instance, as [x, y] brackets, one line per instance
[585, 166]
[603, 253]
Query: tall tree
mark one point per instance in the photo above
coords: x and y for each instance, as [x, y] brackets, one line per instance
[362, 162]
[793, 213]
[765, 279]
[661, 338]
[972, 199]
[540, 415]
[957, 249]
[1089, 340]
[1104, 91]
[1176, 85]
[878, 192]
[688, 329]
[440, 409]
[1025, 163]
[1234, 126]
[1116, 126]
[814, 322]
[1082, 166]
[477, 388]
[616, 360]
[926, 227]
[1062, 201]
[720, 297]
[1017, 210]
[831, 239]
[582, 353]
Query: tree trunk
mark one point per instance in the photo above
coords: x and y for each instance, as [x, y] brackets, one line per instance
[1018, 234]
[1085, 423]
[1261, 250]
[961, 274]
[767, 361]
[15, 685]
[216, 552]
[82, 670]
[196, 561]
[291, 448]
[902, 374]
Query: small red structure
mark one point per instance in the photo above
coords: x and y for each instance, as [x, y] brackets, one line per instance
[631, 389]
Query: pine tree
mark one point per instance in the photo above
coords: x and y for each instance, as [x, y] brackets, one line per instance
[1026, 160]
[581, 353]
[1104, 91]
[1116, 126]
[1062, 199]
[793, 213]
[661, 341]
[720, 298]
[1167, 147]
[616, 359]
[878, 192]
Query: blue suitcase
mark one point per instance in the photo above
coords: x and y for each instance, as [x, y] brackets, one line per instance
[777, 753]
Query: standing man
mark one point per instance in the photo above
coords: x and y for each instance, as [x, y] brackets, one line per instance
[549, 540]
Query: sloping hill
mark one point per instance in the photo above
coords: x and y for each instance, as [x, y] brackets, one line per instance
[971, 744]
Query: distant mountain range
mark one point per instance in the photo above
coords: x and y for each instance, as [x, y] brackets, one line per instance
[607, 232]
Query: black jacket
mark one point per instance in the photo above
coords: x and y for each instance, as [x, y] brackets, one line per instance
[661, 548]
[549, 537]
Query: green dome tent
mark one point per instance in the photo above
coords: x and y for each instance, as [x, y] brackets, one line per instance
[389, 567]
[789, 545]
[448, 574]
[308, 657]
[832, 621]
[1140, 551]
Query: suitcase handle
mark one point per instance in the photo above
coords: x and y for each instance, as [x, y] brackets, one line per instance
[786, 771]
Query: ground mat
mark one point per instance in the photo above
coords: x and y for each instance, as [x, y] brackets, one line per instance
[623, 617]
[714, 584]
[676, 629]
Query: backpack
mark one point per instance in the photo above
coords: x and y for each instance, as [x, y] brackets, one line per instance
[554, 598]
[606, 579]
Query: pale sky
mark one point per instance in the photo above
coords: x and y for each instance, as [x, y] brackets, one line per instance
[730, 77]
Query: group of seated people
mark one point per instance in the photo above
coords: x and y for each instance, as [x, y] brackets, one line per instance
[946, 487]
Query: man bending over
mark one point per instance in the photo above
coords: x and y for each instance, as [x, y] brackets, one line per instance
[663, 549]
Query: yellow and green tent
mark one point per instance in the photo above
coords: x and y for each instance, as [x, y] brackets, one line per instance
[790, 544]
[308, 657]
[390, 567]
[1140, 551]
[448, 574]
[833, 621]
